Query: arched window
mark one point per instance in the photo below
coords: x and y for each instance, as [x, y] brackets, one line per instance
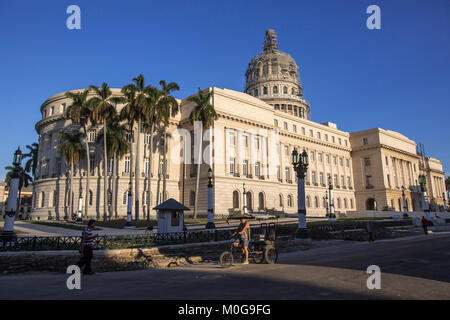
[261, 201]
[42, 199]
[324, 202]
[192, 198]
[339, 203]
[55, 198]
[281, 200]
[293, 91]
[235, 200]
[265, 90]
[285, 90]
[110, 197]
[289, 201]
[249, 201]
[275, 89]
[351, 203]
[345, 203]
[308, 202]
[91, 195]
[316, 202]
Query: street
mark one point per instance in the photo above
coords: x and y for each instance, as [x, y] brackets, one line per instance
[411, 268]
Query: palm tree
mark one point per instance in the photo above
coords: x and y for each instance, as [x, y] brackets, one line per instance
[103, 105]
[167, 106]
[31, 164]
[80, 112]
[150, 113]
[72, 150]
[115, 140]
[203, 111]
[139, 94]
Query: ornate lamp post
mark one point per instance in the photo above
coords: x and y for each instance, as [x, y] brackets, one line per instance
[300, 164]
[326, 204]
[11, 204]
[330, 192]
[445, 201]
[210, 224]
[245, 199]
[423, 189]
[80, 207]
[405, 209]
[129, 206]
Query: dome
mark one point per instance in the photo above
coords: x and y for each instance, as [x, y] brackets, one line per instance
[273, 77]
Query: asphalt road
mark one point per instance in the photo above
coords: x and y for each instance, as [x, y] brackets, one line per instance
[411, 268]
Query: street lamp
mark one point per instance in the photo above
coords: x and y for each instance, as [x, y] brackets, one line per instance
[129, 206]
[445, 201]
[245, 199]
[11, 204]
[405, 209]
[423, 189]
[80, 207]
[331, 214]
[300, 164]
[210, 224]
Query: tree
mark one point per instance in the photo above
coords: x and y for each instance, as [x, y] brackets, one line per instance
[167, 106]
[24, 180]
[203, 111]
[139, 94]
[31, 164]
[150, 113]
[447, 183]
[72, 150]
[115, 140]
[103, 105]
[80, 112]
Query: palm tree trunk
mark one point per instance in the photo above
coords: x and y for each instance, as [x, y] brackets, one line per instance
[88, 168]
[131, 164]
[164, 167]
[105, 169]
[197, 182]
[149, 173]
[71, 189]
[137, 171]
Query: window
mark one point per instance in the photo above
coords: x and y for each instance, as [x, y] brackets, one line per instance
[308, 202]
[246, 140]
[346, 144]
[334, 161]
[92, 164]
[275, 90]
[293, 91]
[303, 131]
[257, 169]
[294, 128]
[312, 155]
[389, 180]
[328, 158]
[278, 173]
[316, 202]
[351, 203]
[345, 203]
[287, 175]
[146, 164]
[341, 162]
[192, 198]
[289, 201]
[311, 133]
[342, 181]
[313, 177]
[319, 157]
[339, 203]
[110, 165]
[232, 164]
[54, 198]
[285, 90]
[365, 141]
[368, 182]
[265, 90]
[245, 167]
[281, 200]
[335, 180]
[63, 108]
[318, 135]
[127, 164]
[285, 125]
[231, 139]
[367, 162]
[275, 123]
[349, 185]
[321, 178]
[347, 163]
[340, 141]
[42, 203]
[326, 137]
[235, 200]
[332, 139]
[90, 197]
[52, 110]
[261, 201]
[175, 219]
[286, 150]
[256, 92]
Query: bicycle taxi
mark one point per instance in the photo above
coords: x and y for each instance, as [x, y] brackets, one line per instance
[261, 247]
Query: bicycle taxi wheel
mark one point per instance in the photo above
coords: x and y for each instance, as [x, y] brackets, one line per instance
[226, 259]
[271, 255]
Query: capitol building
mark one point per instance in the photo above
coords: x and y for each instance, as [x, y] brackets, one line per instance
[251, 142]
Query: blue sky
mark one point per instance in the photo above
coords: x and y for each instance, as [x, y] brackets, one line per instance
[396, 78]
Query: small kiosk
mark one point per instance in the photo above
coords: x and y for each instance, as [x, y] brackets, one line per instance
[170, 215]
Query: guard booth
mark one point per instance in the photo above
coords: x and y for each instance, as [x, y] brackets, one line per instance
[170, 216]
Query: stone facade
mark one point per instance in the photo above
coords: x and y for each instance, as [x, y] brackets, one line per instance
[251, 142]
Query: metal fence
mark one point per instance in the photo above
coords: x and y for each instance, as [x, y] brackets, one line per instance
[113, 242]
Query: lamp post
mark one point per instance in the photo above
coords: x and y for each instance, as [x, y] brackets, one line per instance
[210, 224]
[405, 209]
[423, 189]
[80, 207]
[245, 199]
[11, 204]
[330, 192]
[300, 164]
[129, 206]
[326, 204]
[445, 201]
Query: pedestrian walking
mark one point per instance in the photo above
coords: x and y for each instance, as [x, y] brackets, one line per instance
[86, 247]
[425, 224]
[369, 229]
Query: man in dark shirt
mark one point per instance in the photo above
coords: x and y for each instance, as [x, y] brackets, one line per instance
[86, 247]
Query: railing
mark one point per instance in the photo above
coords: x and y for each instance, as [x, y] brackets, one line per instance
[114, 242]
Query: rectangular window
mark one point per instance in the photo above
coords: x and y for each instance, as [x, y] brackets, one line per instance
[365, 141]
[231, 139]
[246, 141]
[287, 173]
[332, 139]
[245, 167]
[340, 141]
[348, 182]
[232, 164]
[278, 173]
[146, 163]
[285, 125]
[387, 163]
[347, 163]
[326, 137]
[312, 155]
[367, 162]
[275, 123]
[335, 180]
[342, 181]
[257, 166]
[328, 159]
[341, 162]
[334, 161]
[286, 150]
[294, 128]
[303, 131]
[321, 178]
[318, 135]
[313, 177]
[368, 182]
[127, 164]
[311, 133]
[319, 157]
